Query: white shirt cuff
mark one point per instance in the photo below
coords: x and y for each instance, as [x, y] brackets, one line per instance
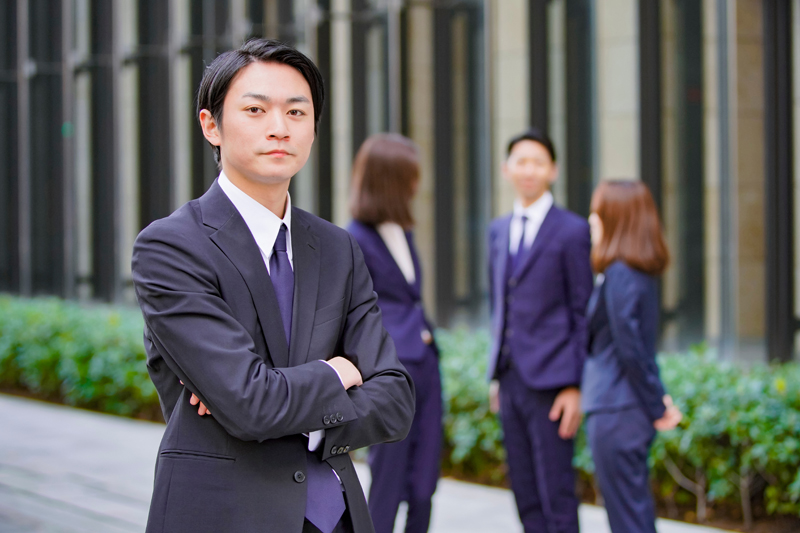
[334, 369]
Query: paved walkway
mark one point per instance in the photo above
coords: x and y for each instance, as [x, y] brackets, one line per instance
[65, 470]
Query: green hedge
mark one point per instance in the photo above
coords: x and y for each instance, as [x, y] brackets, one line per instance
[90, 357]
[739, 441]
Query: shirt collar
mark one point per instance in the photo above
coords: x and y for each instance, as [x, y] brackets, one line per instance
[537, 210]
[263, 223]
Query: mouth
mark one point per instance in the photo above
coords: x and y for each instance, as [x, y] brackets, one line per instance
[278, 153]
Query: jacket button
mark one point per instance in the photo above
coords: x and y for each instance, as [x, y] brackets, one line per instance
[299, 476]
[339, 417]
[341, 449]
[326, 420]
[512, 282]
[347, 448]
[510, 299]
[333, 450]
[506, 350]
[509, 332]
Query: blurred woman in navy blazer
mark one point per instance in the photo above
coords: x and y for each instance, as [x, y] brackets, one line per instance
[385, 178]
[622, 393]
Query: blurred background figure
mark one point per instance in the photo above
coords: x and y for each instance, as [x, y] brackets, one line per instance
[540, 281]
[623, 396]
[385, 178]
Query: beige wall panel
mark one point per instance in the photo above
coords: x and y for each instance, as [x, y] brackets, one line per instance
[509, 60]
[750, 319]
[341, 109]
[618, 88]
[421, 130]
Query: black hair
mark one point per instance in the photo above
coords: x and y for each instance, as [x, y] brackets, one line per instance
[536, 135]
[218, 76]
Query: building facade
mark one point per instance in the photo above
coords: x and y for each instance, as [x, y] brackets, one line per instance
[698, 98]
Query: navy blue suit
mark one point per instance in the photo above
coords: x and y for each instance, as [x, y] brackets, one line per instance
[622, 393]
[539, 347]
[407, 470]
[213, 322]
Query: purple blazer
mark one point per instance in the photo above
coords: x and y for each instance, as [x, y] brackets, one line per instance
[399, 301]
[539, 309]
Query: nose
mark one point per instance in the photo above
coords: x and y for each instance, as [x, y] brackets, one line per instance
[277, 127]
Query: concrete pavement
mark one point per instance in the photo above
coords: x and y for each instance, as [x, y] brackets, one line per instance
[65, 470]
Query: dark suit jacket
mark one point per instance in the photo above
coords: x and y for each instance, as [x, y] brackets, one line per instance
[623, 323]
[212, 320]
[538, 310]
[400, 302]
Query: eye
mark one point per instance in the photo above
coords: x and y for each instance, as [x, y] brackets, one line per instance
[253, 110]
[296, 113]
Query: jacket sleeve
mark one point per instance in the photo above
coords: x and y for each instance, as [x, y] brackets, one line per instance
[623, 304]
[194, 331]
[490, 244]
[384, 404]
[578, 270]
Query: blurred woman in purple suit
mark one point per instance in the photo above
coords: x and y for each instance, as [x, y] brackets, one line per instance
[385, 178]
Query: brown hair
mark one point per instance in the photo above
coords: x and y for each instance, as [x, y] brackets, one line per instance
[631, 228]
[385, 174]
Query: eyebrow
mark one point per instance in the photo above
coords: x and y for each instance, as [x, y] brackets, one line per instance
[266, 99]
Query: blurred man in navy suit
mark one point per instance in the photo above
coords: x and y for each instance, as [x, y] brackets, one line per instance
[540, 282]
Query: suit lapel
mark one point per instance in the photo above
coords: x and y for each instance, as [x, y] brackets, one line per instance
[501, 253]
[233, 237]
[306, 259]
[415, 287]
[595, 298]
[546, 231]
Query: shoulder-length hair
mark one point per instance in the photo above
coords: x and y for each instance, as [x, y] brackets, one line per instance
[631, 228]
[385, 176]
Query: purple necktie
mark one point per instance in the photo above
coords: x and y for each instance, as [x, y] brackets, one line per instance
[521, 248]
[324, 501]
[280, 272]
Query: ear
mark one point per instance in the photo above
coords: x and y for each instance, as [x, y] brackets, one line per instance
[554, 174]
[211, 131]
[504, 170]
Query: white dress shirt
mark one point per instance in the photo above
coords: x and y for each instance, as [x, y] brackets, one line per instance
[265, 225]
[535, 214]
[394, 237]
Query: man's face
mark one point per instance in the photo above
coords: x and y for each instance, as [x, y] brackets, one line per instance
[267, 124]
[530, 170]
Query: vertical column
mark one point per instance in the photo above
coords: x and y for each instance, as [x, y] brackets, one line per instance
[46, 211]
[324, 141]
[24, 71]
[9, 149]
[580, 120]
[103, 162]
[780, 316]
[155, 129]
[557, 92]
[443, 189]
[796, 139]
[650, 96]
[538, 71]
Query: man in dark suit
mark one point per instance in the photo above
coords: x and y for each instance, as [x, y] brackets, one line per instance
[540, 282]
[265, 316]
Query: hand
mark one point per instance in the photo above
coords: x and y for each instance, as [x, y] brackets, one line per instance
[494, 396]
[348, 372]
[672, 416]
[567, 407]
[202, 410]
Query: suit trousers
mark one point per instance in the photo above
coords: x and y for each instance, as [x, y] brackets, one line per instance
[620, 443]
[539, 461]
[408, 470]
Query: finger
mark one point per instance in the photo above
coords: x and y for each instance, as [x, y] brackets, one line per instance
[194, 400]
[181, 381]
[556, 411]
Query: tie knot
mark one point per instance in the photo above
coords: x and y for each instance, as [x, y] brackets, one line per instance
[524, 220]
[280, 241]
